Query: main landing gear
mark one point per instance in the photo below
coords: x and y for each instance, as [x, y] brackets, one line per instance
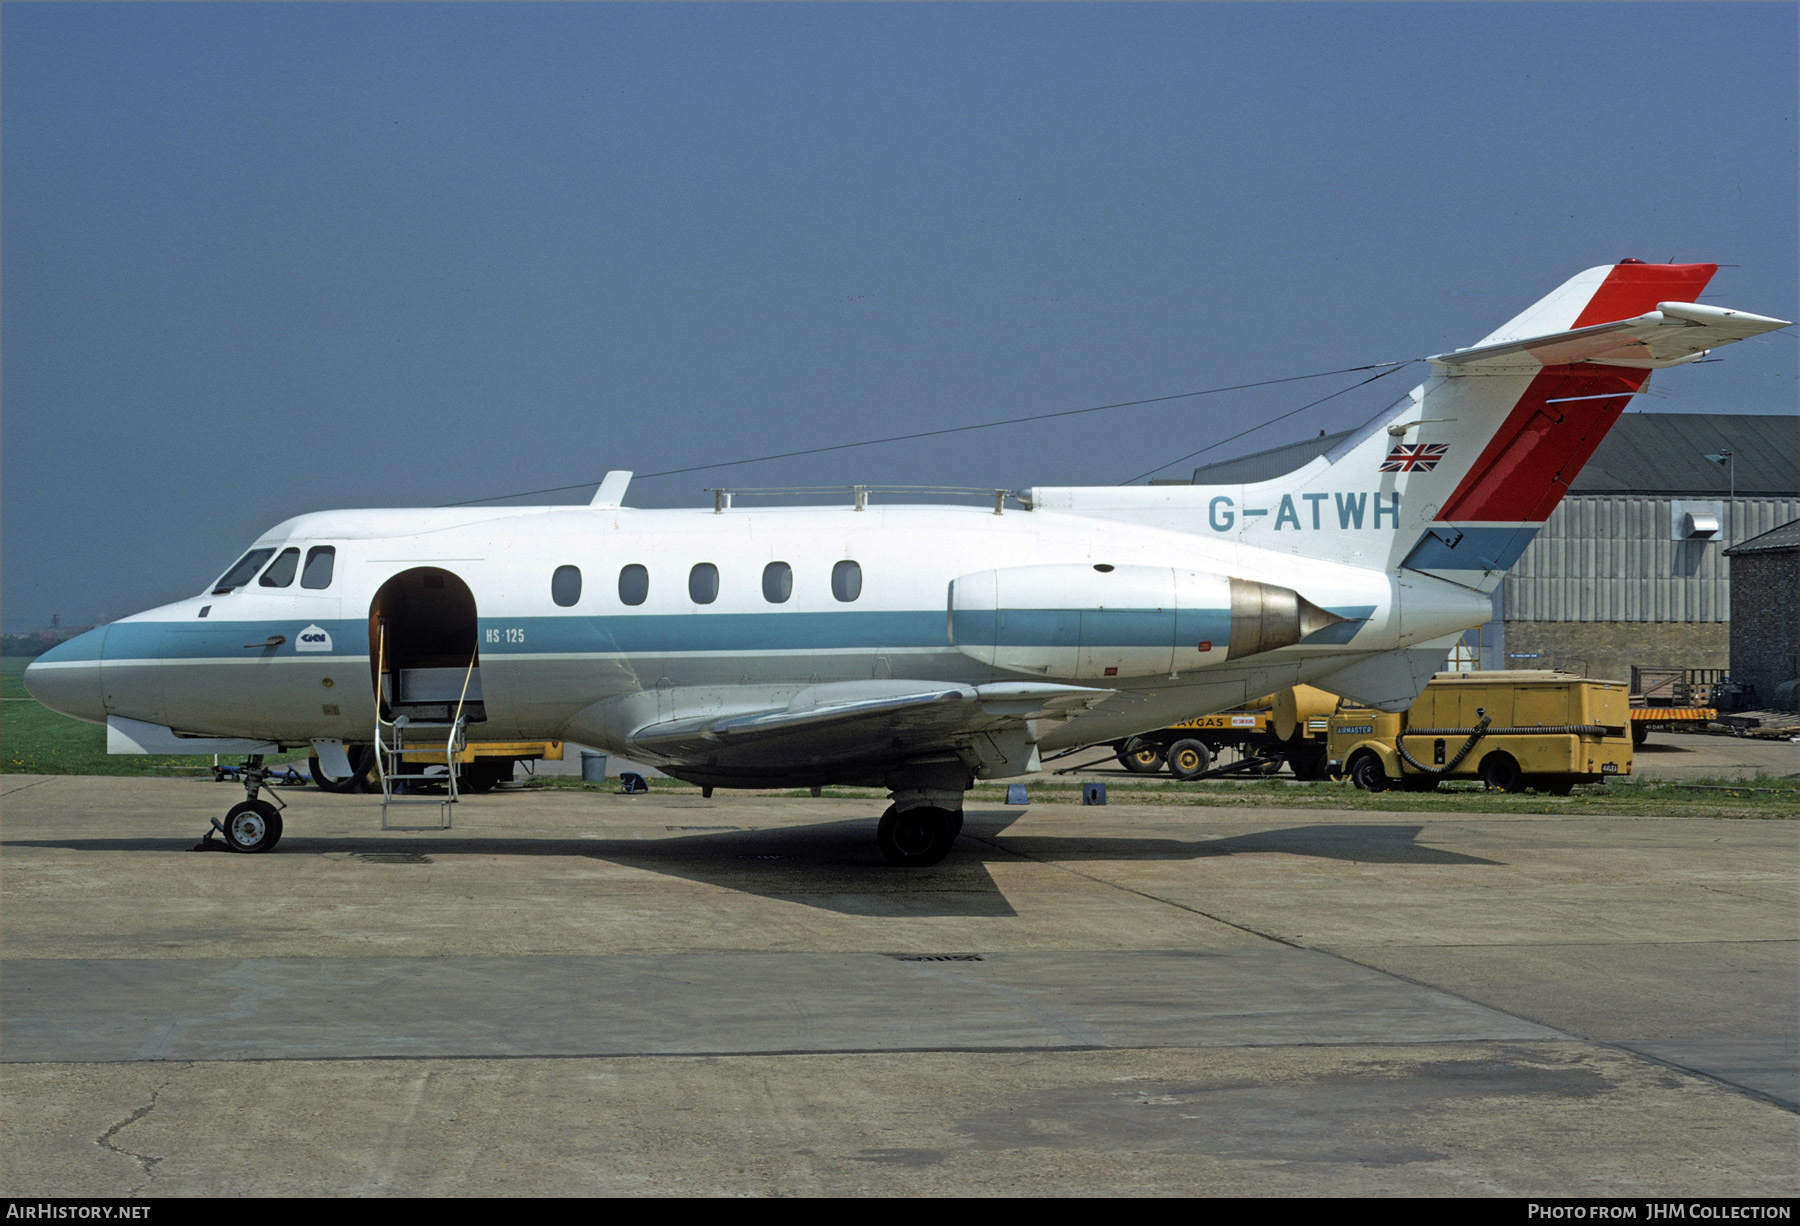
[251, 825]
[919, 837]
[927, 814]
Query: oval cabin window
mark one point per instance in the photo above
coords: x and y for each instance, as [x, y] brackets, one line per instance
[565, 585]
[778, 582]
[634, 584]
[846, 581]
[703, 583]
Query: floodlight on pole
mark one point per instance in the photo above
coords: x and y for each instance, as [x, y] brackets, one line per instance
[1724, 457]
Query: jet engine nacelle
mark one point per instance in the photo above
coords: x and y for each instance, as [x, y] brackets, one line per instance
[1093, 622]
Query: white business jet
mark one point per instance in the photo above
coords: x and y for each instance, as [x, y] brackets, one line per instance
[913, 648]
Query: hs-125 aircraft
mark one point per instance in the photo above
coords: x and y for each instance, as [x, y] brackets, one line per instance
[914, 648]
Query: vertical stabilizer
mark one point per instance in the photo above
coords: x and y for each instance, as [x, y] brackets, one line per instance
[1456, 479]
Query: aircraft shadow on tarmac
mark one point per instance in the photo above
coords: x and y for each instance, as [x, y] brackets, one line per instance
[835, 866]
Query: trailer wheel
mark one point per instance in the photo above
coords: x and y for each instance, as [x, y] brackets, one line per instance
[1639, 733]
[1502, 774]
[1189, 760]
[1366, 773]
[1308, 764]
[1140, 757]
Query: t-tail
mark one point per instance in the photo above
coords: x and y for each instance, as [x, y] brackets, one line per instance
[1458, 477]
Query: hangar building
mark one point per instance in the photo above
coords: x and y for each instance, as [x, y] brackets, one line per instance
[1765, 624]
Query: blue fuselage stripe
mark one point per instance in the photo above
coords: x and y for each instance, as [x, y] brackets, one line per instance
[662, 633]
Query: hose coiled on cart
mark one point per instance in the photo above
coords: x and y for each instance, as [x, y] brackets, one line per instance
[1475, 734]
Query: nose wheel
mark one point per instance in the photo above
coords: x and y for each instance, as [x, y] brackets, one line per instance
[253, 824]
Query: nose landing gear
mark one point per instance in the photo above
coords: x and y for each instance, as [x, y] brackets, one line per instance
[251, 825]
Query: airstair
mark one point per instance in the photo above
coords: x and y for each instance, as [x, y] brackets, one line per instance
[426, 710]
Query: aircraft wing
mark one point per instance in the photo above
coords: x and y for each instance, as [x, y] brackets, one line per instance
[1674, 333]
[871, 722]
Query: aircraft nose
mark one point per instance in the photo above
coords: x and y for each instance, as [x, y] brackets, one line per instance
[67, 677]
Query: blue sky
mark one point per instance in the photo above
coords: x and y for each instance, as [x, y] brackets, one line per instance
[262, 259]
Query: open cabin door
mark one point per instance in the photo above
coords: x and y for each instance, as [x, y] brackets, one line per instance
[423, 652]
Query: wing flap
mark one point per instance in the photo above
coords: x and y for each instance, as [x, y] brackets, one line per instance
[864, 722]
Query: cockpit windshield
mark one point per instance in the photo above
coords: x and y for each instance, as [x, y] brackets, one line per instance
[241, 573]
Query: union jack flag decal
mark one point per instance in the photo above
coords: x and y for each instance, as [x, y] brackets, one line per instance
[1414, 457]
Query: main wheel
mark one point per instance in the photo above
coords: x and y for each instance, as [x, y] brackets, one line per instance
[1367, 774]
[483, 774]
[252, 826]
[1308, 764]
[1502, 774]
[1189, 760]
[362, 771]
[917, 838]
[1141, 757]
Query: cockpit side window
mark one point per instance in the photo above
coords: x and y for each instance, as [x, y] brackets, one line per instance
[319, 561]
[281, 570]
[241, 572]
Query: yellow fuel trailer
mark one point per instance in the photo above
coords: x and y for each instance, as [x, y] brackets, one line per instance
[480, 764]
[1512, 730]
[1286, 727]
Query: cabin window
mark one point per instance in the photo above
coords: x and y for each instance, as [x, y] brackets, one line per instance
[240, 573]
[565, 585]
[634, 584]
[778, 582]
[319, 561]
[281, 570]
[846, 581]
[703, 583]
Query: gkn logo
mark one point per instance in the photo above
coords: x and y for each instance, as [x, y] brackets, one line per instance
[313, 638]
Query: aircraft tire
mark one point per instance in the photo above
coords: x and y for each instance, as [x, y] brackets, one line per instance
[1367, 774]
[1502, 774]
[362, 764]
[483, 774]
[1189, 760]
[252, 826]
[1308, 764]
[917, 838]
[1140, 757]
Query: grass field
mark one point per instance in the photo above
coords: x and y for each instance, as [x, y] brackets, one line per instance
[35, 740]
[1762, 797]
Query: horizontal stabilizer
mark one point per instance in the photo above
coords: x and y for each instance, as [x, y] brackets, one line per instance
[1674, 333]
